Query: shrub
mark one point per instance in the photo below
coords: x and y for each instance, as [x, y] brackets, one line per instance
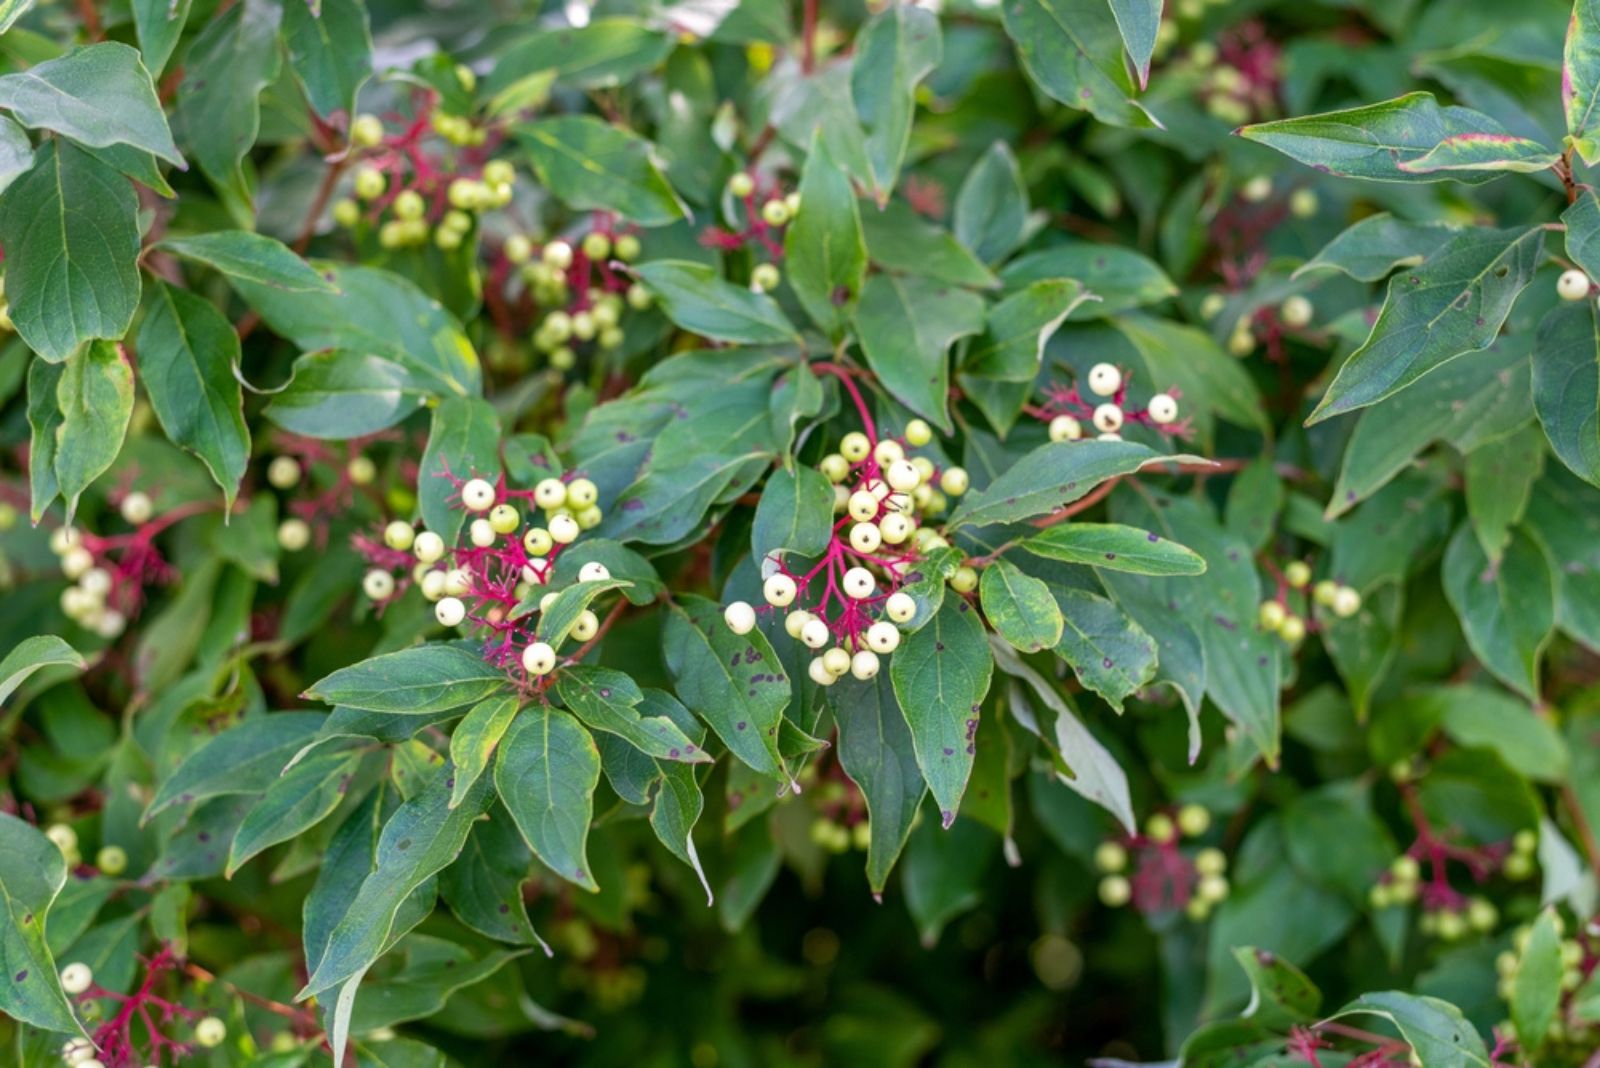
[519, 523]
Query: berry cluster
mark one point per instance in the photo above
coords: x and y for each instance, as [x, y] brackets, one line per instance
[111, 860]
[1274, 615]
[766, 210]
[874, 546]
[1573, 1029]
[489, 582]
[114, 1043]
[110, 573]
[584, 294]
[1106, 408]
[1163, 877]
[840, 822]
[306, 463]
[409, 193]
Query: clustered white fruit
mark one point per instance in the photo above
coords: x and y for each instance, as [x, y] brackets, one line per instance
[1274, 616]
[1198, 882]
[884, 506]
[1104, 404]
[580, 310]
[85, 601]
[500, 568]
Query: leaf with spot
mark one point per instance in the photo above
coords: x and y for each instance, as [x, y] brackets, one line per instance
[734, 682]
[35, 654]
[1437, 1032]
[545, 770]
[244, 759]
[1453, 304]
[906, 325]
[1507, 610]
[188, 352]
[95, 399]
[32, 873]
[941, 674]
[825, 254]
[608, 700]
[795, 514]
[303, 797]
[1072, 50]
[473, 742]
[698, 299]
[418, 841]
[1382, 142]
[424, 678]
[1019, 607]
[1566, 385]
[70, 229]
[98, 96]
[1110, 653]
[877, 752]
[1282, 995]
[591, 165]
[483, 886]
[1115, 548]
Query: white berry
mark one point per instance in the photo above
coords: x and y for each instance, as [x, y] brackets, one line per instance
[740, 617]
[433, 585]
[593, 571]
[894, 528]
[1065, 428]
[864, 665]
[865, 537]
[903, 476]
[537, 541]
[428, 547]
[1108, 418]
[137, 508]
[818, 670]
[539, 659]
[96, 581]
[503, 518]
[378, 585]
[1162, 408]
[954, 481]
[859, 583]
[564, 529]
[887, 451]
[883, 637]
[815, 633]
[76, 562]
[450, 612]
[1573, 285]
[76, 978]
[477, 495]
[863, 506]
[1296, 312]
[1104, 380]
[550, 493]
[481, 534]
[837, 661]
[900, 607]
[283, 472]
[581, 493]
[854, 446]
[586, 626]
[210, 1032]
[779, 590]
[399, 535]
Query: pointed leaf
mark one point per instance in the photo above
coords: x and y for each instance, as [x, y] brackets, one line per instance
[1115, 548]
[415, 681]
[826, 254]
[32, 873]
[697, 298]
[1566, 385]
[591, 165]
[330, 51]
[906, 325]
[546, 770]
[98, 96]
[1072, 50]
[33, 654]
[895, 50]
[608, 700]
[1019, 607]
[877, 752]
[95, 398]
[1507, 610]
[251, 257]
[473, 742]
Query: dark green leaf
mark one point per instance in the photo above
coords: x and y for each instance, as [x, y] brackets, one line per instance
[1566, 385]
[591, 165]
[895, 50]
[1116, 548]
[251, 257]
[1110, 653]
[826, 256]
[243, 759]
[95, 399]
[32, 873]
[159, 24]
[1580, 80]
[608, 700]
[463, 442]
[233, 59]
[795, 514]
[415, 681]
[1377, 245]
[877, 752]
[34, 654]
[1050, 477]
[1500, 478]
[345, 393]
[991, 212]
[546, 769]
[1507, 610]
[1073, 51]
[1439, 1035]
[98, 96]
[1138, 21]
[473, 742]
[697, 298]
[900, 240]
[305, 796]
[1019, 607]
[1118, 278]
[906, 325]
[605, 53]
[330, 51]
[1536, 985]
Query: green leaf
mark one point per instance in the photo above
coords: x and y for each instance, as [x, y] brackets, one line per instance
[100, 95]
[1563, 519]
[424, 678]
[306, 795]
[1507, 611]
[473, 742]
[1566, 385]
[16, 152]
[1454, 303]
[1483, 152]
[1115, 548]
[1019, 607]
[826, 254]
[1466, 402]
[941, 674]
[733, 682]
[95, 398]
[607, 700]
[1536, 984]
[330, 52]
[1051, 477]
[463, 442]
[877, 752]
[1283, 995]
[32, 873]
[698, 299]
[1582, 220]
[33, 654]
[70, 229]
[1110, 653]
[372, 313]
[556, 622]
[906, 326]
[1377, 141]
[159, 24]
[1072, 50]
[605, 53]
[1138, 21]
[1580, 79]
[483, 886]
[218, 116]
[1482, 718]
[900, 240]
[590, 165]
[423, 836]
[1500, 478]
[243, 759]
[433, 972]
[894, 51]
[11, 11]
[1439, 1035]
[991, 211]
[251, 257]
[1118, 278]
[1376, 246]
[546, 770]
[345, 393]
[1019, 328]
[942, 874]
[187, 355]
[795, 514]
